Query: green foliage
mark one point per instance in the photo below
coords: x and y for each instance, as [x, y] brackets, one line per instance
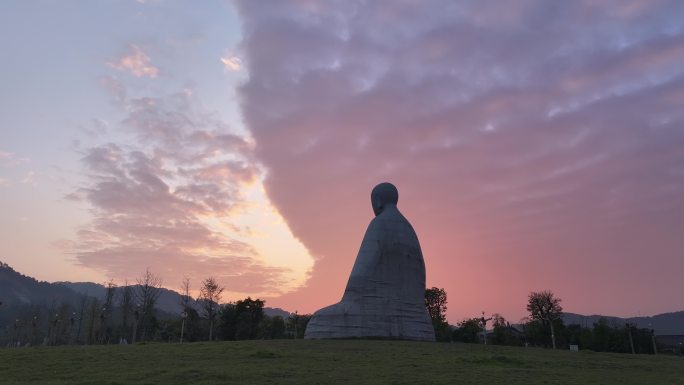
[296, 325]
[240, 320]
[544, 306]
[604, 337]
[435, 303]
[601, 337]
[193, 326]
[278, 327]
[538, 333]
[504, 334]
[468, 331]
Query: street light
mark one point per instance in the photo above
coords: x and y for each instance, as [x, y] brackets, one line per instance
[653, 339]
[72, 320]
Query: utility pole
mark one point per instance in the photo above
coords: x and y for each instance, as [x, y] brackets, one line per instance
[653, 340]
[629, 333]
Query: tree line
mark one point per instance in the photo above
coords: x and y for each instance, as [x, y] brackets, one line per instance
[129, 314]
[543, 327]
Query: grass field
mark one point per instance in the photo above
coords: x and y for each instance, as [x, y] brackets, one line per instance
[330, 362]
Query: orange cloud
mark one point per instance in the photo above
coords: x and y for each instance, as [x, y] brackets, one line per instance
[232, 63]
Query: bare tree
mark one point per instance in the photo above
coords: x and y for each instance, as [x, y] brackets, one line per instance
[545, 307]
[147, 292]
[185, 299]
[185, 302]
[210, 295]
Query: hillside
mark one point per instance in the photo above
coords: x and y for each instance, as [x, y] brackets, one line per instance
[331, 362]
[18, 289]
[663, 324]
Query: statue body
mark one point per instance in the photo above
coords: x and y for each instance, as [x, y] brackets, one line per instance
[385, 294]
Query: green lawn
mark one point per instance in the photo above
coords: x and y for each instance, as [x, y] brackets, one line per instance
[330, 362]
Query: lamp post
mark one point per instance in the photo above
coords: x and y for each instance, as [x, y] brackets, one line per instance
[72, 320]
[34, 324]
[184, 315]
[16, 331]
[55, 322]
[103, 325]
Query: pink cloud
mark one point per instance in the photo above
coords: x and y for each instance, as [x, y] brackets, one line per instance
[525, 152]
[11, 159]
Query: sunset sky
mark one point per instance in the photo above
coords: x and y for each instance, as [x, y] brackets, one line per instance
[536, 145]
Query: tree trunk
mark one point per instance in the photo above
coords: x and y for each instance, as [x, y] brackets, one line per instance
[211, 329]
[553, 335]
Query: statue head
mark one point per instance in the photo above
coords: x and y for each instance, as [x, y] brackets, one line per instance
[383, 195]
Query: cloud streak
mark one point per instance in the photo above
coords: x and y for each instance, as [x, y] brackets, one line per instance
[169, 198]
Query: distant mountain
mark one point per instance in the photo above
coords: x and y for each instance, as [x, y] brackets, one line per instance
[19, 293]
[276, 311]
[663, 324]
[17, 289]
[168, 301]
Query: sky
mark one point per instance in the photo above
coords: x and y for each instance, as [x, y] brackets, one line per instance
[536, 145]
